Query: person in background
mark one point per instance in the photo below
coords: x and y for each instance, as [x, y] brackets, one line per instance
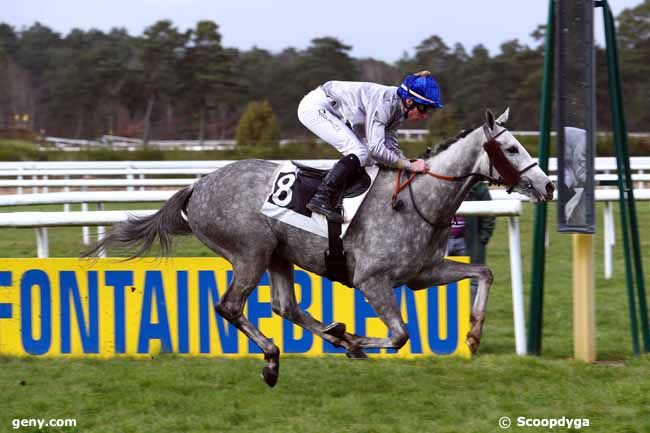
[470, 236]
[456, 242]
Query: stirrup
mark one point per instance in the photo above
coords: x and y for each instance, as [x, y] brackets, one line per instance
[330, 213]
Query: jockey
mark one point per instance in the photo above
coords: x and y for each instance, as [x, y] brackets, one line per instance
[360, 120]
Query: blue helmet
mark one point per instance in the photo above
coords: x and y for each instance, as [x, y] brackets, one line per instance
[422, 88]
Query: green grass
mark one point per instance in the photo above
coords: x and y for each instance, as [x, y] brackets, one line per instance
[20, 150]
[173, 394]
[332, 394]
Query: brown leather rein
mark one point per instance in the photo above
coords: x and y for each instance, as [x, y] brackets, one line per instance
[513, 178]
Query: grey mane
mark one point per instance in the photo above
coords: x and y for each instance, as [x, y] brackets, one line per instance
[440, 147]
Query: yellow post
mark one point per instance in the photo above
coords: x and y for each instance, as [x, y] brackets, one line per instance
[584, 304]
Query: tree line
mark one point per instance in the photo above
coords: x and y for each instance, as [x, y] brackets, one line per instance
[173, 83]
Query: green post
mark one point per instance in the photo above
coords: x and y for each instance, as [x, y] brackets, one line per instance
[626, 189]
[539, 250]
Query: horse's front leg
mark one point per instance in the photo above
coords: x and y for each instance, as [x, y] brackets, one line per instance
[381, 297]
[450, 271]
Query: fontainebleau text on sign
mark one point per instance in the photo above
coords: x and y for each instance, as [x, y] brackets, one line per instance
[109, 307]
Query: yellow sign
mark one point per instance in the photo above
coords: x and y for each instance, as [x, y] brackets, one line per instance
[107, 307]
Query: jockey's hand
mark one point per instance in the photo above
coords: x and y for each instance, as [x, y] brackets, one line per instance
[418, 166]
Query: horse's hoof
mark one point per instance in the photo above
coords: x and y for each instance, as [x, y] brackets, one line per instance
[269, 376]
[335, 329]
[356, 353]
[473, 343]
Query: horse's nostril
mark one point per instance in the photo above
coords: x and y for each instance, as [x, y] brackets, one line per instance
[550, 188]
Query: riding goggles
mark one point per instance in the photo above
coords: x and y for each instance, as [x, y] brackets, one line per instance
[423, 108]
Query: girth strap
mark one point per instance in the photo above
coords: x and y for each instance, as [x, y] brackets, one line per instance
[335, 261]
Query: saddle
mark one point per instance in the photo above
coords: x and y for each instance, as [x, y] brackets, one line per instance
[309, 179]
[293, 186]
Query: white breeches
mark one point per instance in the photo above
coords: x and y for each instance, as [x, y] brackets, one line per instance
[315, 113]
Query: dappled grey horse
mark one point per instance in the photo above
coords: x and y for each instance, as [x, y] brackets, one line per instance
[385, 247]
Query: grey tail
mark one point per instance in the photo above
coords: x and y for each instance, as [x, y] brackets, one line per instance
[139, 233]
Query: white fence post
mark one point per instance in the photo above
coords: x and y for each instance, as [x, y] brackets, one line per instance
[66, 206]
[101, 231]
[641, 183]
[610, 235]
[85, 231]
[42, 243]
[129, 177]
[19, 177]
[517, 285]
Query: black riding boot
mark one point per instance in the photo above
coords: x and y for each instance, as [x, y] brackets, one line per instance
[325, 201]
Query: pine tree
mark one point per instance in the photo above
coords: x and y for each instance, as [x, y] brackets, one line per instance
[258, 126]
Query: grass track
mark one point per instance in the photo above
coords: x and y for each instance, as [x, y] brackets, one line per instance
[332, 394]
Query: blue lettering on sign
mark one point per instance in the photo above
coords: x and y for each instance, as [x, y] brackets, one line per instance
[449, 344]
[257, 310]
[89, 334]
[5, 309]
[328, 313]
[36, 277]
[208, 297]
[290, 343]
[119, 280]
[154, 289]
[183, 312]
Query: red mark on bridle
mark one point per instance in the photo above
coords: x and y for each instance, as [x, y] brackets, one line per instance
[509, 174]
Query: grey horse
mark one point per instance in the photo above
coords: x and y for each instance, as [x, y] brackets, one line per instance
[385, 247]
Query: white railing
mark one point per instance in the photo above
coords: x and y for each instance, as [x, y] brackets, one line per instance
[86, 197]
[130, 178]
[94, 183]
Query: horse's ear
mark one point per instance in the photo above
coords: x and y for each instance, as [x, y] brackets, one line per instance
[489, 118]
[504, 117]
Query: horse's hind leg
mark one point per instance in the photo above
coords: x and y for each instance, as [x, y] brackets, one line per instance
[246, 276]
[284, 303]
[451, 271]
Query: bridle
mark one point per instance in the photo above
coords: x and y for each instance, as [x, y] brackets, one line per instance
[508, 174]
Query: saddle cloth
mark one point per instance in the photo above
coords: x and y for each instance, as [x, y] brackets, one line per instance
[293, 185]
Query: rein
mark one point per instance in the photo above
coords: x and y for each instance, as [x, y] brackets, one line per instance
[401, 186]
[399, 204]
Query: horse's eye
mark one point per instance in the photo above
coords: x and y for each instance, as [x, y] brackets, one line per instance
[512, 149]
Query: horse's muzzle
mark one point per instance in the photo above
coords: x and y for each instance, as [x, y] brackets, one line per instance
[550, 189]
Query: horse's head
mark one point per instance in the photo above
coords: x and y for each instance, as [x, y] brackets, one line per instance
[511, 163]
